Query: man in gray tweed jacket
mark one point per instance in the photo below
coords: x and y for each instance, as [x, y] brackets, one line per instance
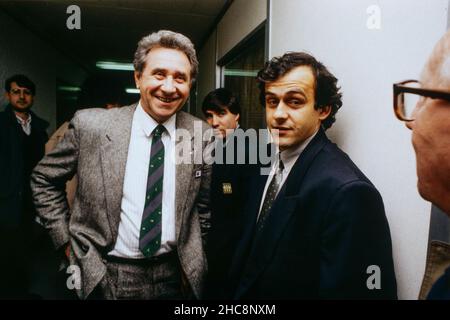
[140, 213]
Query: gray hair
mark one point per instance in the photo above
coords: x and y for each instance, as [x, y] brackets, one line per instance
[165, 39]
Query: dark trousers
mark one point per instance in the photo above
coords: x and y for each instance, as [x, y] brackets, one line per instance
[142, 279]
[14, 264]
[29, 265]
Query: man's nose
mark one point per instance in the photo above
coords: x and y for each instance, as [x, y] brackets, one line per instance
[168, 85]
[215, 121]
[280, 113]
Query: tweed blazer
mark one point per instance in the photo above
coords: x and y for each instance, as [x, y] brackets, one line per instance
[95, 147]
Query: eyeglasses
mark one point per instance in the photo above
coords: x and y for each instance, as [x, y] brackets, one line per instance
[408, 93]
[17, 92]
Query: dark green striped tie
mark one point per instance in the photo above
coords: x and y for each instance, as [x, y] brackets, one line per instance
[150, 234]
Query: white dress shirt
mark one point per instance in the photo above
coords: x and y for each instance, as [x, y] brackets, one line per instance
[135, 185]
[26, 124]
[289, 157]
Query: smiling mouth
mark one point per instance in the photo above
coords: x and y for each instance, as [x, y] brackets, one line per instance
[166, 100]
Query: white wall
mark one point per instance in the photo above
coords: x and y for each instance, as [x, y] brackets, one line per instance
[241, 18]
[22, 52]
[367, 62]
[206, 81]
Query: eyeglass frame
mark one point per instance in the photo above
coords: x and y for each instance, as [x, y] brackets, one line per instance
[400, 88]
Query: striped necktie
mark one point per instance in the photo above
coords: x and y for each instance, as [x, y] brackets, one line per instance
[150, 234]
[271, 195]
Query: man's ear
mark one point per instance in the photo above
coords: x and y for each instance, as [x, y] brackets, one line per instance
[237, 117]
[324, 112]
[7, 96]
[137, 76]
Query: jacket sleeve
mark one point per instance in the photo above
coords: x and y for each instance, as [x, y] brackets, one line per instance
[356, 251]
[48, 183]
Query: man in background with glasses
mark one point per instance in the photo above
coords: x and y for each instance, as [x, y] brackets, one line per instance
[425, 107]
[22, 139]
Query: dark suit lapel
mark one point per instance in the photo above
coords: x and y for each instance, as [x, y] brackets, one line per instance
[266, 243]
[251, 211]
[15, 142]
[114, 152]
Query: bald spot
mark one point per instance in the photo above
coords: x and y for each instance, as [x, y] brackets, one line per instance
[436, 73]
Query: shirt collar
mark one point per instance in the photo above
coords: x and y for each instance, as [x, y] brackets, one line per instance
[148, 124]
[23, 122]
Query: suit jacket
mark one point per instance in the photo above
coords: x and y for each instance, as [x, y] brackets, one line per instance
[56, 137]
[95, 147]
[228, 196]
[436, 280]
[14, 186]
[326, 228]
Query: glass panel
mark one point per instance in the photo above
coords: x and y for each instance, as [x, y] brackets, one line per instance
[239, 77]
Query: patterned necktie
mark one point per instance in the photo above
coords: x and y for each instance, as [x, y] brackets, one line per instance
[270, 197]
[150, 234]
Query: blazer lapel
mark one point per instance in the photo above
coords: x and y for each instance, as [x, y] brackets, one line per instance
[14, 140]
[114, 152]
[266, 243]
[183, 172]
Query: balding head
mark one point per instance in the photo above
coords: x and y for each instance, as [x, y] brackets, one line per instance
[436, 73]
[431, 129]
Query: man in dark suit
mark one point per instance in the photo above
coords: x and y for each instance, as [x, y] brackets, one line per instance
[141, 212]
[228, 186]
[22, 140]
[315, 227]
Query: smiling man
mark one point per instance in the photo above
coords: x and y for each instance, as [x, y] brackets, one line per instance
[315, 227]
[138, 220]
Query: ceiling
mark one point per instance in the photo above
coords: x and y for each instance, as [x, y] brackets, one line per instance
[111, 29]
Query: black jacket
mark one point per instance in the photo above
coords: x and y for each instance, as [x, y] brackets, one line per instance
[229, 192]
[326, 229]
[15, 167]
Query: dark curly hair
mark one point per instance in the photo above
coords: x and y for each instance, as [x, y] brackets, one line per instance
[327, 92]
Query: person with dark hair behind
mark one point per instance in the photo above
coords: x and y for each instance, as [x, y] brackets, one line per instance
[222, 111]
[315, 228]
[228, 187]
[101, 91]
[22, 139]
